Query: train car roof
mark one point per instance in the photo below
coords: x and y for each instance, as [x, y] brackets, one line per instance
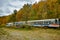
[42, 20]
[33, 21]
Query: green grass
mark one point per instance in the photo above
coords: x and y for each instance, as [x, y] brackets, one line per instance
[32, 34]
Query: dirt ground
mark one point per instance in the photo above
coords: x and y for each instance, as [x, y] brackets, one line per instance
[36, 34]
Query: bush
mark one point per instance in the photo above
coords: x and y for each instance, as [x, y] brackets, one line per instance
[2, 25]
[27, 26]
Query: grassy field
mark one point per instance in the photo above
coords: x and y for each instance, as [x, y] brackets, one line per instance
[33, 34]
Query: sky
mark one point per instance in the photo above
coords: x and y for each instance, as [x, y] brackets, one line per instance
[7, 6]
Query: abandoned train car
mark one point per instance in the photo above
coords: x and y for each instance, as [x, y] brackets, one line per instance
[39, 23]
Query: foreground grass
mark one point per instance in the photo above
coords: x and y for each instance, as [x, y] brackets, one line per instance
[3, 34]
[33, 34]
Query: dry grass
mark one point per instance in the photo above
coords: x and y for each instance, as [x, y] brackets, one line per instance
[35, 34]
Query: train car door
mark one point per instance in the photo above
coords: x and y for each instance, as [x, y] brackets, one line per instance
[55, 21]
[59, 22]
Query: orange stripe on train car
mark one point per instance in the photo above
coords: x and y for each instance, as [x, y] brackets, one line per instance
[54, 25]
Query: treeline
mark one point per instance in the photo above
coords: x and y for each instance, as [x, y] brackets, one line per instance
[43, 10]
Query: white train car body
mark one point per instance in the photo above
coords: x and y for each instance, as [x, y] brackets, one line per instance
[38, 23]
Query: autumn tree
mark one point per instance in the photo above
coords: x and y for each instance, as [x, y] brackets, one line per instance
[45, 9]
[26, 10]
[12, 18]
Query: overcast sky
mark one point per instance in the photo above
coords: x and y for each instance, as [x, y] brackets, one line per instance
[7, 6]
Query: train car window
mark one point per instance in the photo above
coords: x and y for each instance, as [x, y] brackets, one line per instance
[51, 22]
[38, 23]
[41, 22]
[45, 22]
[34, 22]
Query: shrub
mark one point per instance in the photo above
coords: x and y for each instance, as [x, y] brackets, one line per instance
[2, 25]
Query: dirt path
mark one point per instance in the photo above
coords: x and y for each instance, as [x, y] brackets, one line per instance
[32, 35]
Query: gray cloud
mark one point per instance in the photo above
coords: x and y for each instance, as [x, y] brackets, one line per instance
[7, 6]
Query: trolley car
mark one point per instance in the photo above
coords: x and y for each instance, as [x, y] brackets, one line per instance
[39, 23]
